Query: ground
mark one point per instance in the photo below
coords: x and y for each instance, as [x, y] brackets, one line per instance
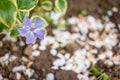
[15, 52]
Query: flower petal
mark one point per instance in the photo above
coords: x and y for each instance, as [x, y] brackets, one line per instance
[22, 31]
[30, 38]
[27, 22]
[40, 33]
[38, 22]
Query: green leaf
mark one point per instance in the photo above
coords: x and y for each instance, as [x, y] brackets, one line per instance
[47, 5]
[61, 6]
[26, 4]
[2, 27]
[7, 12]
[103, 76]
[84, 12]
[45, 22]
[14, 31]
[95, 71]
[21, 15]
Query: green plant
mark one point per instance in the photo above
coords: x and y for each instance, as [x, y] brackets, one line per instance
[13, 12]
[103, 76]
[100, 76]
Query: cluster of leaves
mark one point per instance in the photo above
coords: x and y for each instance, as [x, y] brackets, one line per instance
[100, 76]
[12, 12]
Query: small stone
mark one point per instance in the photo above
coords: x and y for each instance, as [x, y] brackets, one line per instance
[18, 76]
[36, 53]
[14, 47]
[21, 43]
[67, 55]
[24, 59]
[50, 76]
[29, 72]
[73, 20]
[59, 62]
[116, 60]
[18, 68]
[109, 54]
[75, 36]
[93, 35]
[12, 58]
[82, 77]
[53, 52]
[102, 56]
[55, 45]
[29, 64]
[109, 62]
[76, 70]
[84, 30]
[28, 50]
[55, 16]
[13, 39]
[71, 47]
[35, 46]
[109, 13]
[96, 43]
[114, 9]
[91, 19]
[60, 56]
[83, 38]
[42, 48]
[94, 51]
[54, 67]
[4, 58]
[68, 67]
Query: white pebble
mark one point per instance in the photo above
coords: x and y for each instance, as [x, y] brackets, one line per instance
[29, 72]
[36, 53]
[35, 46]
[13, 39]
[53, 52]
[82, 77]
[4, 58]
[24, 59]
[18, 76]
[67, 55]
[102, 56]
[12, 58]
[42, 47]
[91, 19]
[109, 13]
[68, 67]
[59, 62]
[21, 43]
[73, 20]
[109, 54]
[114, 9]
[54, 67]
[60, 56]
[55, 45]
[50, 76]
[109, 62]
[19, 68]
[94, 51]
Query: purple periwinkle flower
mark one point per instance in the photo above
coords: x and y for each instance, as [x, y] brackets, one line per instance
[32, 31]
